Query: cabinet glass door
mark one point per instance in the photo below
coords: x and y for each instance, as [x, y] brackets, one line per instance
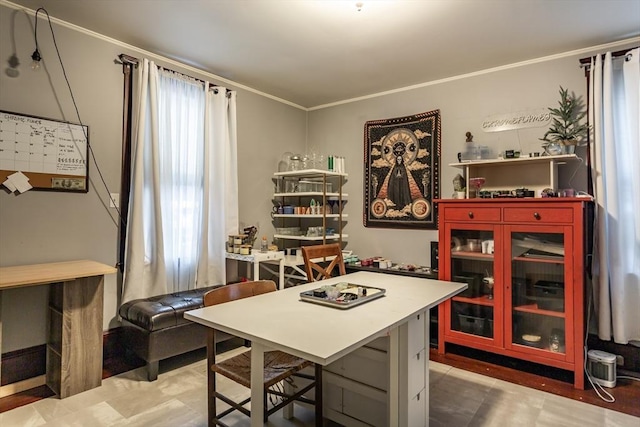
[538, 290]
[472, 262]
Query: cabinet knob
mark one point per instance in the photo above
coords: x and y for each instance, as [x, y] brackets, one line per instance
[470, 214]
[536, 215]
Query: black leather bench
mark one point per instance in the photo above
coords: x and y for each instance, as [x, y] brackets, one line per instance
[154, 328]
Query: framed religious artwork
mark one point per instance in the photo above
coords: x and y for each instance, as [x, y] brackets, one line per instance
[401, 176]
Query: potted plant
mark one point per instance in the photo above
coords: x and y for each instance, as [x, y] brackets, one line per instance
[459, 187]
[566, 129]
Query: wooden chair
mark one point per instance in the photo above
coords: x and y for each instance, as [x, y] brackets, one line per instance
[278, 366]
[311, 253]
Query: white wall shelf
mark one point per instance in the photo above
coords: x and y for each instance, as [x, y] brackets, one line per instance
[333, 216]
[530, 160]
[326, 189]
[323, 198]
[533, 173]
[307, 173]
[310, 239]
[309, 194]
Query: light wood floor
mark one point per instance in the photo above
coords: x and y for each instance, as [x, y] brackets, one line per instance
[178, 398]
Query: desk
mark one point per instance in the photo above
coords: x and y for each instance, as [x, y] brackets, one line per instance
[74, 347]
[256, 258]
[280, 321]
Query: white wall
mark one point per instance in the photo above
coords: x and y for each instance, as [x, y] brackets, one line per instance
[38, 227]
[463, 103]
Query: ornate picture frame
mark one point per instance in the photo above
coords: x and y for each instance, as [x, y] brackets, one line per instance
[401, 175]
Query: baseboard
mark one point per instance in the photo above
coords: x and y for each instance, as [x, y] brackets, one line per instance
[20, 365]
[112, 344]
[27, 363]
[17, 387]
[630, 353]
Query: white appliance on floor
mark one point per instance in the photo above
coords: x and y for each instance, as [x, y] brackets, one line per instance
[601, 366]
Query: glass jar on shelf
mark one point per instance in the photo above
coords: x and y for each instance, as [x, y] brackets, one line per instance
[556, 340]
[294, 162]
[283, 164]
[305, 162]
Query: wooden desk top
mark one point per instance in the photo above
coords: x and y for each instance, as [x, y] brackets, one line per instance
[41, 274]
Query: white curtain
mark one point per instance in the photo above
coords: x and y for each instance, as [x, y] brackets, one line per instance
[615, 115]
[174, 239]
[220, 205]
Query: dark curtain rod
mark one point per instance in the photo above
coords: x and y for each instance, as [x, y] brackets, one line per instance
[131, 60]
[586, 62]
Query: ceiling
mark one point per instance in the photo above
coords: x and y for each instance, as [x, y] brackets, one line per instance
[316, 52]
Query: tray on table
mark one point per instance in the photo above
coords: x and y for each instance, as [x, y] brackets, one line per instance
[320, 296]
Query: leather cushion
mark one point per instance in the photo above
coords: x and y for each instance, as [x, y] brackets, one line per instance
[163, 311]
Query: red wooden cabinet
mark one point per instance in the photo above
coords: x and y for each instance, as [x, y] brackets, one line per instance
[532, 251]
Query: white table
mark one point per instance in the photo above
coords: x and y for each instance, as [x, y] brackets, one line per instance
[256, 258]
[280, 321]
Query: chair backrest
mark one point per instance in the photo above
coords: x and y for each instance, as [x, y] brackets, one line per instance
[311, 253]
[238, 291]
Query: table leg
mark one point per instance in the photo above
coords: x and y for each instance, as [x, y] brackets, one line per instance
[281, 278]
[211, 378]
[256, 270]
[394, 371]
[408, 348]
[0, 335]
[427, 342]
[257, 384]
[287, 411]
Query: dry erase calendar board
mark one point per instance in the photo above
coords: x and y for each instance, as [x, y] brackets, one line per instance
[51, 153]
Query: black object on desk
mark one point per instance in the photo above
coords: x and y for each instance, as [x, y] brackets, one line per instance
[353, 268]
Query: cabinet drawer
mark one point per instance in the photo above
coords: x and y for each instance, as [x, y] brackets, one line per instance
[364, 408]
[472, 214]
[416, 333]
[538, 215]
[331, 396]
[416, 368]
[381, 344]
[417, 411]
[367, 366]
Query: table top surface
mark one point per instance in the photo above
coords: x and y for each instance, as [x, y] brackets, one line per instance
[321, 334]
[41, 274]
[256, 256]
